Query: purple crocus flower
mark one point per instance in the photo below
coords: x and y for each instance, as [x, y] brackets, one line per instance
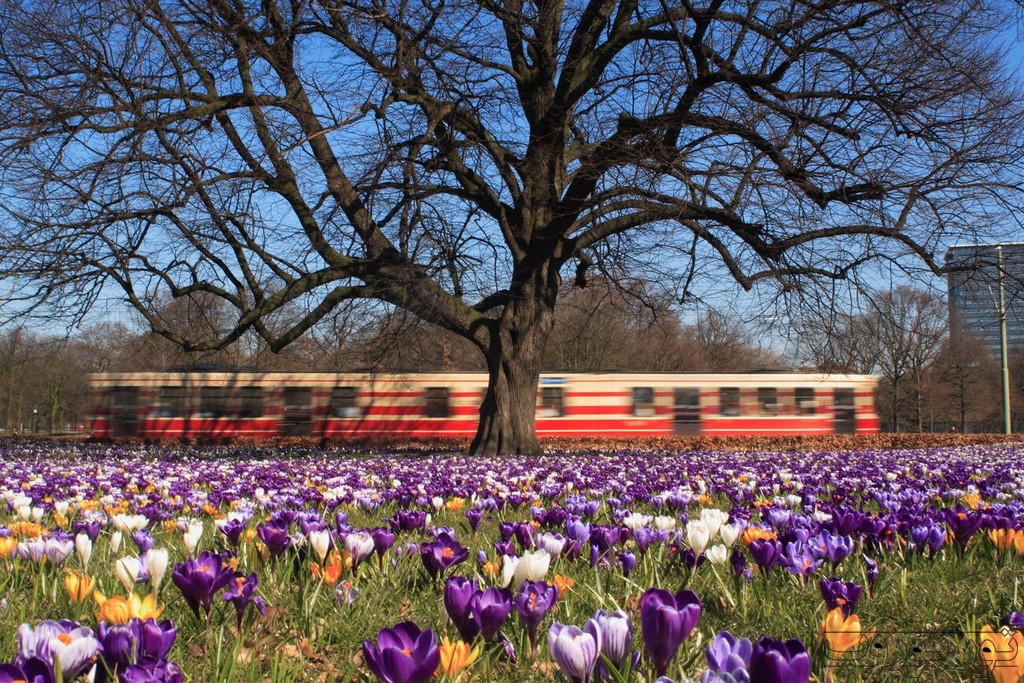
[458, 601]
[774, 661]
[73, 644]
[407, 520]
[616, 636]
[505, 547]
[535, 600]
[604, 537]
[871, 572]
[383, 539]
[666, 621]
[962, 523]
[766, 553]
[726, 654]
[798, 559]
[524, 535]
[199, 578]
[1014, 620]
[232, 530]
[837, 593]
[241, 592]
[832, 547]
[135, 642]
[403, 654]
[151, 671]
[575, 650]
[143, 540]
[491, 608]
[442, 553]
[935, 539]
[274, 535]
[30, 670]
[628, 562]
[473, 516]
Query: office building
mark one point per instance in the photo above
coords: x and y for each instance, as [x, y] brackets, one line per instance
[974, 287]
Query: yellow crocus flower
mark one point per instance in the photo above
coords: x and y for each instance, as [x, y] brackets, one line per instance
[1003, 653]
[455, 657]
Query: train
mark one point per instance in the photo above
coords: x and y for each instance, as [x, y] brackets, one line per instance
[219, 404]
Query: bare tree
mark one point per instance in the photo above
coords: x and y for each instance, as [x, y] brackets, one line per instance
[966, 368]
[456, 160]
[909, 326]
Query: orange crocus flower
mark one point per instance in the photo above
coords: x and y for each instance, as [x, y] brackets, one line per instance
[563, 583]
[455, 658]
[118, 610]
[842, 633]
[7, 546]
[333, 568]
[78, 586]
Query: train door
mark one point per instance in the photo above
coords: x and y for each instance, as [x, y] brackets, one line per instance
[686, 411]
[298, 409]
[844, 411]
[124, 410]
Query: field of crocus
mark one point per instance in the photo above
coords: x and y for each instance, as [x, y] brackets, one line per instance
[139, 563]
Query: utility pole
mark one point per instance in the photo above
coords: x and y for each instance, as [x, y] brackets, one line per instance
[1003, 355]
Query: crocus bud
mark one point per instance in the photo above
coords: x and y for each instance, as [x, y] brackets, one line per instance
[191, 537]
[127, 570]
[115, 541]
[320, 542]
[156, 563]
[83, 544]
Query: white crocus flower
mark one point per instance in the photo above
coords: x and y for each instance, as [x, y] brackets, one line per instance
[127, 524]
[697, 536]
[636, 520]
[530, 566]
[714, 519]
[729, 533]
[320, 542]
[115, 541]
[127, 570]
[717, 554]
[83, 545]
[191, 537]
[665, 523]
[156, 563]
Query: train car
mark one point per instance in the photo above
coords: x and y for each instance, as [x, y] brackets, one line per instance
[243, 404]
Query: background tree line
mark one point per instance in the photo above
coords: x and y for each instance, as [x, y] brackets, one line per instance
[931, 379]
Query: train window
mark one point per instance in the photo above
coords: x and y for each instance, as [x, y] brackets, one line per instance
[171, 402]
[251, 402]
[768, 400]
[213, 401]
[729, 401]
[805, 402]
[343, 402]
[551, 402]
[643, 401]
[437, 402]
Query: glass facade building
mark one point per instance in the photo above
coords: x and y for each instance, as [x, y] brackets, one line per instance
[974, 290]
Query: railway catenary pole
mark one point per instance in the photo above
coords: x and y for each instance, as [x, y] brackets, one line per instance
[1003, 355]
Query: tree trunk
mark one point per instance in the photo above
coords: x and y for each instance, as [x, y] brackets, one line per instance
[509, 409]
